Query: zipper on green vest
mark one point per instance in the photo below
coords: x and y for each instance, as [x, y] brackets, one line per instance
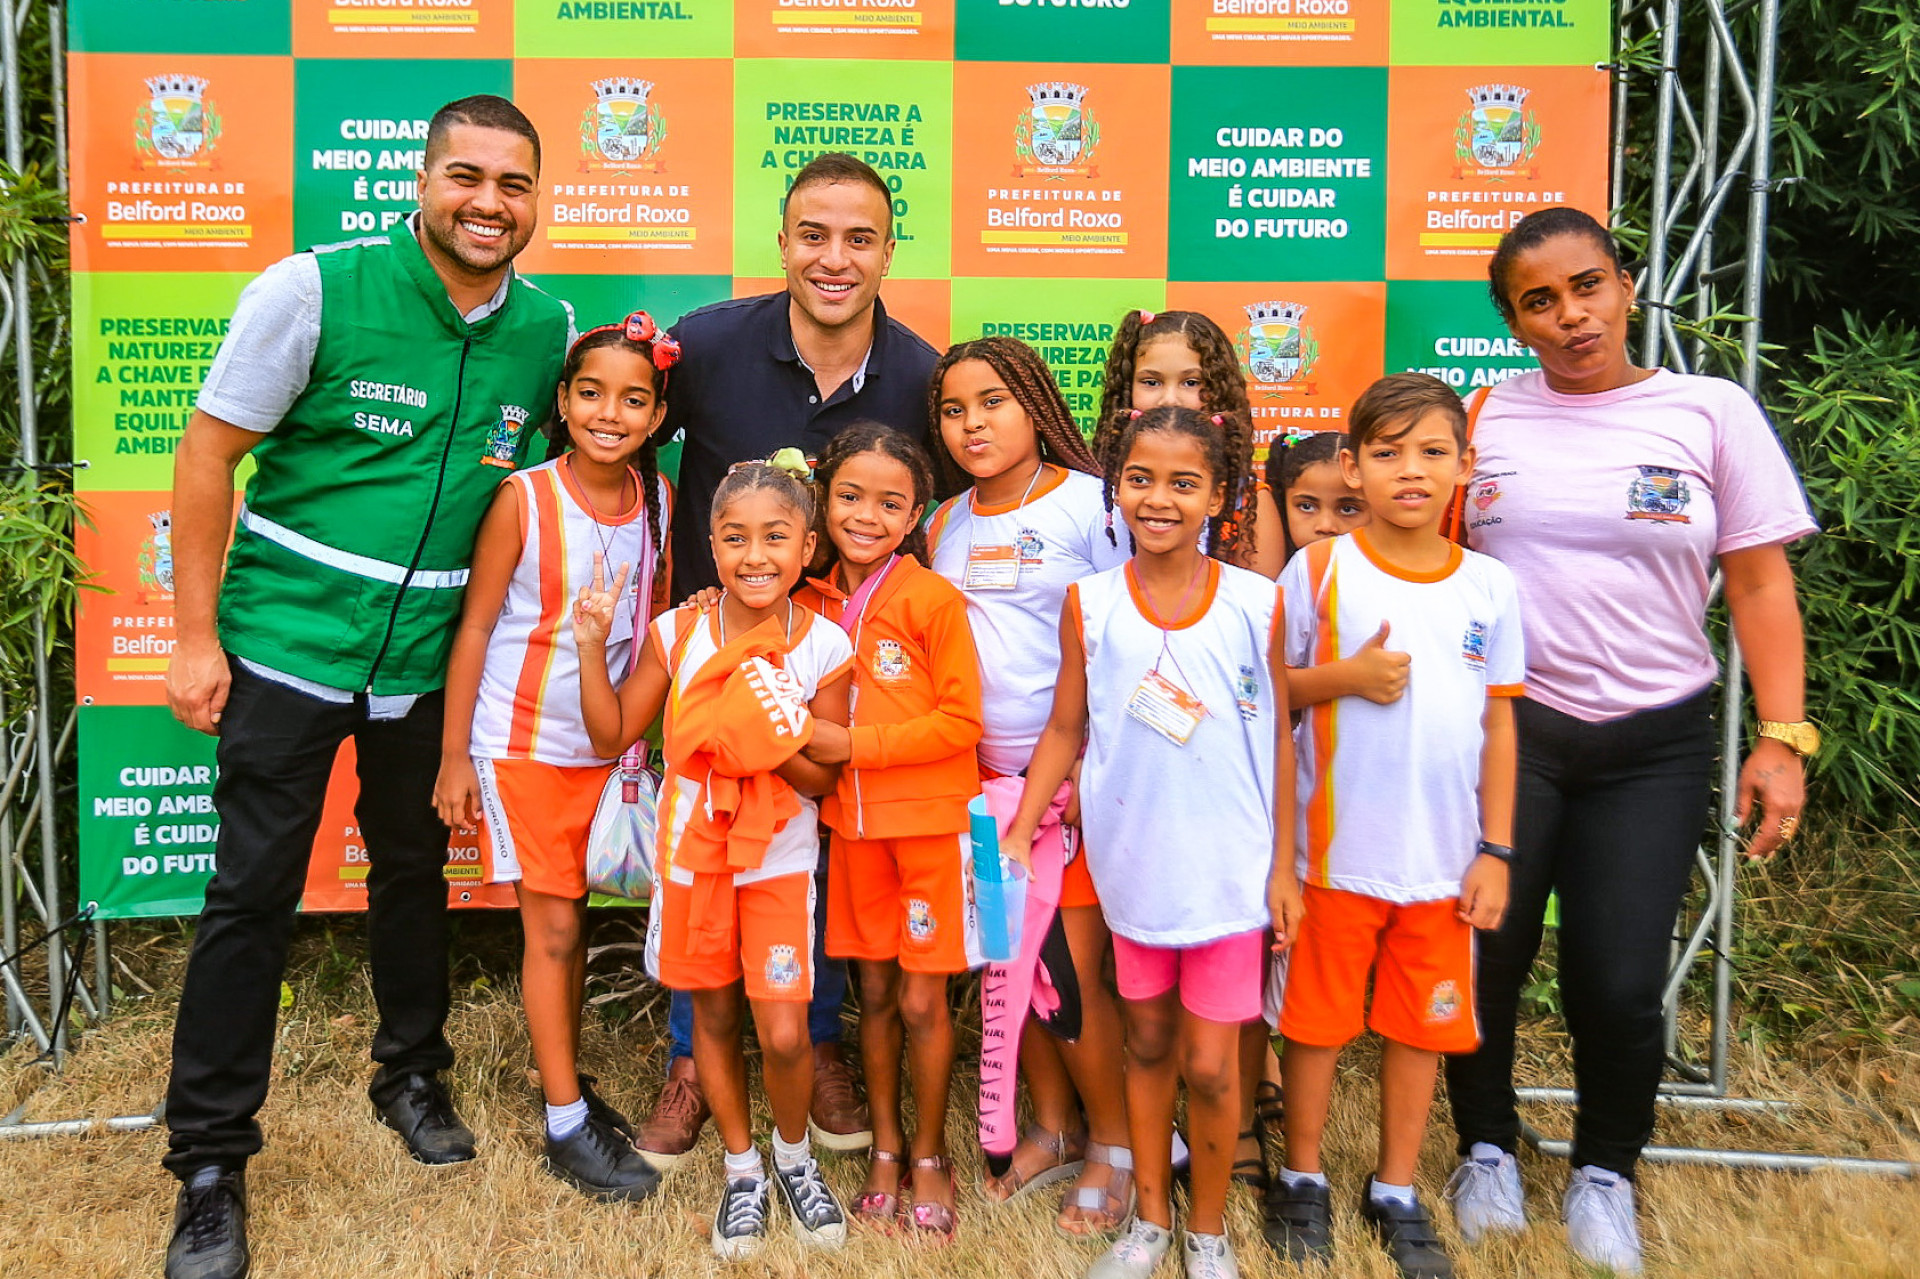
[433, 508]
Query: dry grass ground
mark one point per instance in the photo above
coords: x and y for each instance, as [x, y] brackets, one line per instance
[334, 1195]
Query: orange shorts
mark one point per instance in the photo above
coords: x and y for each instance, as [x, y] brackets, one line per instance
[1421, 957]
[534, 820]
[1076, 883]
[906, 899]
[770, 946]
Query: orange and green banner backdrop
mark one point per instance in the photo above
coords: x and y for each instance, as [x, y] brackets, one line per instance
[1326, 178]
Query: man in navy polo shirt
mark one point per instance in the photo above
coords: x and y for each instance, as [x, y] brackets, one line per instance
[759, 374]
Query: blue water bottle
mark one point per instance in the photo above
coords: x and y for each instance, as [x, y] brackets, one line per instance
[998, 886]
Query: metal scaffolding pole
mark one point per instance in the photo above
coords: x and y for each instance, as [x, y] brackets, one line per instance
[1712, 103]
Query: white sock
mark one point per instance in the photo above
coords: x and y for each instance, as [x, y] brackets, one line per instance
[745, 1164]
[564, 1121]
[1294, 1178]
[1485, 1152]
[1180, 1152]
[1380, 1192]
[788, 1157]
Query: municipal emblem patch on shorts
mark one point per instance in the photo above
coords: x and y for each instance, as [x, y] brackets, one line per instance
[920, 922]
[1246, 693]
[1444, 1003]
[890, 661]
[1660, 494]
[1473, 645]
[783, 968]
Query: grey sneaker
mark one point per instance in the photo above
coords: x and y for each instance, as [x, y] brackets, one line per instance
[1209, 1257]
[740, 1226]
[1600, 1222]
[818, 1219]
[1134, 1254]
[1486, 1197]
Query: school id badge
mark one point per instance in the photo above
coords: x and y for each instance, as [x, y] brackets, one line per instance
[994, 567]
[1166, 708]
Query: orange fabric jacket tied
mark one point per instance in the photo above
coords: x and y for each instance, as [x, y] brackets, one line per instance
[916, 707]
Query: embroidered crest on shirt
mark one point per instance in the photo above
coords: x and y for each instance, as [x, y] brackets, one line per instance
[920, 923]
[1030, 547]
[890, 661]
[1660, 494]
[783, 968]
[1246, 693]
[503, 438]
[1473, 645]
[1444, 1003]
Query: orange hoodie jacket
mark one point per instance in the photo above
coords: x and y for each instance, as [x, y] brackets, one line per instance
[916, 711]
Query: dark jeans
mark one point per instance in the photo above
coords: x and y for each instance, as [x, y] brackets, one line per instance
[829, 983]
[1609, 816]
[276, 752]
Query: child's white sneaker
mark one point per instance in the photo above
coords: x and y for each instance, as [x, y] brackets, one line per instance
[1600, 1223]
[1209, 1257]
[1485, 1194]
[1134, 1254]
[740, 1226]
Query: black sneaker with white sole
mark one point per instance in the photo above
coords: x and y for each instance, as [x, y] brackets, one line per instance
[1406, 1232]
[598, 1161]
[818, 1219]
[740, 1226]
[1297, 1220]
[210, 1230]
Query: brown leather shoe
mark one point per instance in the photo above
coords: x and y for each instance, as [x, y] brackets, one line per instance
[839, 1119]
[674, 1126]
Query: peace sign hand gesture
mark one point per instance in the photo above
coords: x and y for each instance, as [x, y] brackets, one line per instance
[593, 608]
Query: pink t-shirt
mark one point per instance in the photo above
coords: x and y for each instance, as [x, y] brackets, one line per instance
[1609, 509]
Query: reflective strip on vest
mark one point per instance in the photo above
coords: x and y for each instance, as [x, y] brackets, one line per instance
[347, 561]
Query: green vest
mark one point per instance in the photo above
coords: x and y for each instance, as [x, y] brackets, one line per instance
[350, 559]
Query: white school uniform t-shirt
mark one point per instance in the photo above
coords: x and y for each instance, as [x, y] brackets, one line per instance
[1180, 837]
[1056, 538]
[820, 654]
[1388, 796]
[1610, 509]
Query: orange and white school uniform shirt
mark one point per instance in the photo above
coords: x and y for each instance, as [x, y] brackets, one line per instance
[1013, 563]
[684, 640]
[1389, 801]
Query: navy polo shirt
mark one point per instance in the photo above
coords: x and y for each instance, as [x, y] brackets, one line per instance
[740, 391]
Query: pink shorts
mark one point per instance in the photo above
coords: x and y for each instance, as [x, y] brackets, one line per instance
[1219, 980]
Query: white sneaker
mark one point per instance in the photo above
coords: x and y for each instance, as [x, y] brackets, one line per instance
[1209, 1257]
[1134, 1254]
[1600, 1224]
[1486, 1197]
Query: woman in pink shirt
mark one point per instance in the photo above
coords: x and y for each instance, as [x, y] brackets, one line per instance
[1611, 490]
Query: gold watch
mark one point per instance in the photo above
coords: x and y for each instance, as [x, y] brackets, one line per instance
[1802, 738]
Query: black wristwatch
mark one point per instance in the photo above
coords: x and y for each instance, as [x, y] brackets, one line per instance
[1499, 852]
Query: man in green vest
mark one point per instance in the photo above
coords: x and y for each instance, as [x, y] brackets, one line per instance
[384, 387]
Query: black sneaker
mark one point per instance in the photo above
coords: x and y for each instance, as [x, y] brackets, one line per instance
[597, 1160]
[210, 1231]
[740, 1226]
[1406, 1232]
[599, 1109]
[818, 1219]
[422, 1113]
[1297, 1221]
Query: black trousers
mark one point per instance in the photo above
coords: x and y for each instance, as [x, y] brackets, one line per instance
[276, 751]
[1609, 816]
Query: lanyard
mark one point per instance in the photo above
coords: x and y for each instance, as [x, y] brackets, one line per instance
[855, 613]
[720, 614]
[1153, 619]
[973, 503]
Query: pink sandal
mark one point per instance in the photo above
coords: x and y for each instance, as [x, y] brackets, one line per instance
[936, 1222]
[1114, 1201]
[878, 1208]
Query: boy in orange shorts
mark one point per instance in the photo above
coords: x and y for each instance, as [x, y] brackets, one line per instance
[1406, 811]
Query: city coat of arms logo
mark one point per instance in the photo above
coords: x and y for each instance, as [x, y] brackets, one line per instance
[156, 557]
[1277, 349]
[179, 126]
[1497, 135]
[503, 438]
[1057, 135]
[1659, 494]
[623, 129]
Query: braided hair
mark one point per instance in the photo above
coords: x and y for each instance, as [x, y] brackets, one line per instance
[784, 483]
[660, 352]
[873, 437]
[1223, 390]
[1033, 388]
[1219, 436]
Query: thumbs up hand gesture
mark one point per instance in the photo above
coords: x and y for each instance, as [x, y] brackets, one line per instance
[1380, 675]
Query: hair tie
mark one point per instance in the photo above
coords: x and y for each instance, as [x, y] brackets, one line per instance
[1132, 414]
[640, 327]
[1146, 317]
[792, 461]
[1218, 420]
